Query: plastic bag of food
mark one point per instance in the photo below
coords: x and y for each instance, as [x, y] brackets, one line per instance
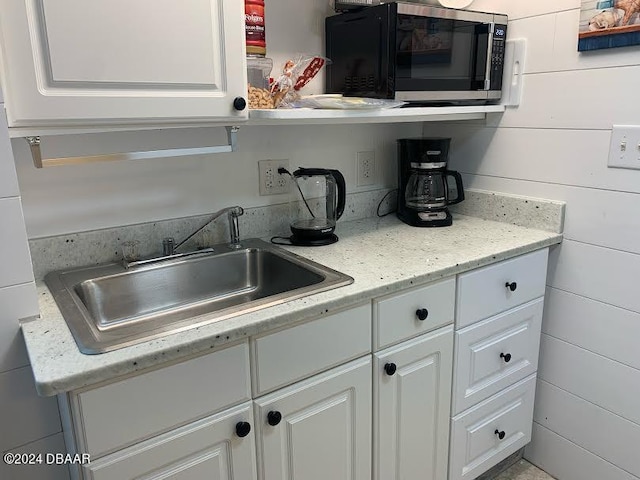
[296, 73]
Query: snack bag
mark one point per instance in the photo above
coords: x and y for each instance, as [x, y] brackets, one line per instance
[296, 73]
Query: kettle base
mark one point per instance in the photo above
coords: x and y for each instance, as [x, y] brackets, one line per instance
[313, 242]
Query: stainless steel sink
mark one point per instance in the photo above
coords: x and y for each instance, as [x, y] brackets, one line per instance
[109, 307]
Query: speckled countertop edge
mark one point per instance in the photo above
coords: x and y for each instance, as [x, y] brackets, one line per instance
[382, 255]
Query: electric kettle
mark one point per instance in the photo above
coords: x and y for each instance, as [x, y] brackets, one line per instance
[317, 201]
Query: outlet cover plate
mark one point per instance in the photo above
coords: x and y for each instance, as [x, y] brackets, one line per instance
[271, 182]
[365, 168]
[624, 151]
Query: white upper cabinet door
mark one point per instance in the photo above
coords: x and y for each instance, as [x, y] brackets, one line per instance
[109, 62]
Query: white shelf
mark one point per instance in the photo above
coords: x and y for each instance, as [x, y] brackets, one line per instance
[306, 116]
[297, 116]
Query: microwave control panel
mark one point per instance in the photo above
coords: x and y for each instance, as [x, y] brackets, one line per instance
[497, 56]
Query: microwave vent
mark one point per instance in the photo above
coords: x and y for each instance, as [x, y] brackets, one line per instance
[359, 84]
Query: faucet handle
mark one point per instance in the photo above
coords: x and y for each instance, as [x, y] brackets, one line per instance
[236, 211]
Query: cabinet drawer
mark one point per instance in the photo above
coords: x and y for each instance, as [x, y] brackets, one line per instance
[131, 410]
[484, 292]
[494, 353]
[289, 355]
[396, 316]
[475, 445]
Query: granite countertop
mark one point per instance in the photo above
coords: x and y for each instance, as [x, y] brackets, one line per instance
[382, 255]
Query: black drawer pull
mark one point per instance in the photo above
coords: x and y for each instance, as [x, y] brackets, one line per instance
[506, 357]
[243, 429]
[422, 314]
[390, 369]
[500, 434]
[273, 418]
[511, 286]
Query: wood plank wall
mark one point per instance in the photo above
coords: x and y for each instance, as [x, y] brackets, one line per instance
[555, 145]
[28, 423]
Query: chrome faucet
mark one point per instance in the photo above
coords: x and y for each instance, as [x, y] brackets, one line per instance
[169, 247]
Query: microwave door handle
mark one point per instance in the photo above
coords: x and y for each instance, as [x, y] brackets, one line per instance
[487, 73]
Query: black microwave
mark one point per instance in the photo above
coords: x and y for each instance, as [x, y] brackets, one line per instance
[416, 53]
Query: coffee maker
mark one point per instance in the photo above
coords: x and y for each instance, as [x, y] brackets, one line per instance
[423, 187]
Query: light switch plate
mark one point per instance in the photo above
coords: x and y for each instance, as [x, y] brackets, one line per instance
[624, 151]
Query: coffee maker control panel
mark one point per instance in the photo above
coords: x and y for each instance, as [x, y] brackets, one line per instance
[430, 216]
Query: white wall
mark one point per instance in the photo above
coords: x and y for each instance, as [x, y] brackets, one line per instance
[28, 423]
[587, 425]
[67, 199]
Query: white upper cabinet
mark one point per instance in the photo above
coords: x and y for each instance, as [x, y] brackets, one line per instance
[117, 62]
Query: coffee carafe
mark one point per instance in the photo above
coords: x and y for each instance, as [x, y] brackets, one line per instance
[318, 197]
[423, 186]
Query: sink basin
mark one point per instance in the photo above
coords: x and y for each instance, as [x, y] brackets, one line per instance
[109, 307]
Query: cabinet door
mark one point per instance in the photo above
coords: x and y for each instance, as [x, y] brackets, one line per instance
[412, 386]
[318, 429]
[210, 448]
[72, 62]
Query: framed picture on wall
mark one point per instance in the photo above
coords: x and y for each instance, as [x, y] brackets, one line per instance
[609, 24]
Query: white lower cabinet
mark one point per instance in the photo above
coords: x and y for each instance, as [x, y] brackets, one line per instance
[322, 407]
[219, 447]
[412, 388]
[319, 428]
[498, 319]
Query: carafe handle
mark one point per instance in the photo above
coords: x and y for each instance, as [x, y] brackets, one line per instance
[342, 192]
[459, 187]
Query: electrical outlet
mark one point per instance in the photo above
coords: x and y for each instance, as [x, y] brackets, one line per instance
[365, 168]
[624, 151]
[271, 182]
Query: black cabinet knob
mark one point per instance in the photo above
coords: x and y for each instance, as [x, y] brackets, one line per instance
[243, 429]
[422, 314]
[506, 357]
[273, 418]
[500, 434]
[239, 103]
[511, 286]
[390, 368]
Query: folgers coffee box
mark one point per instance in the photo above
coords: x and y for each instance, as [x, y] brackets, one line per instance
[254, 27]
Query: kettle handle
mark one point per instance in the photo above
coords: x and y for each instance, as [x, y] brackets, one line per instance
[342, 192]
[459, 187]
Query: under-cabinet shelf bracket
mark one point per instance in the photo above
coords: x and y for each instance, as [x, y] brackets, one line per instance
[36, 152]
